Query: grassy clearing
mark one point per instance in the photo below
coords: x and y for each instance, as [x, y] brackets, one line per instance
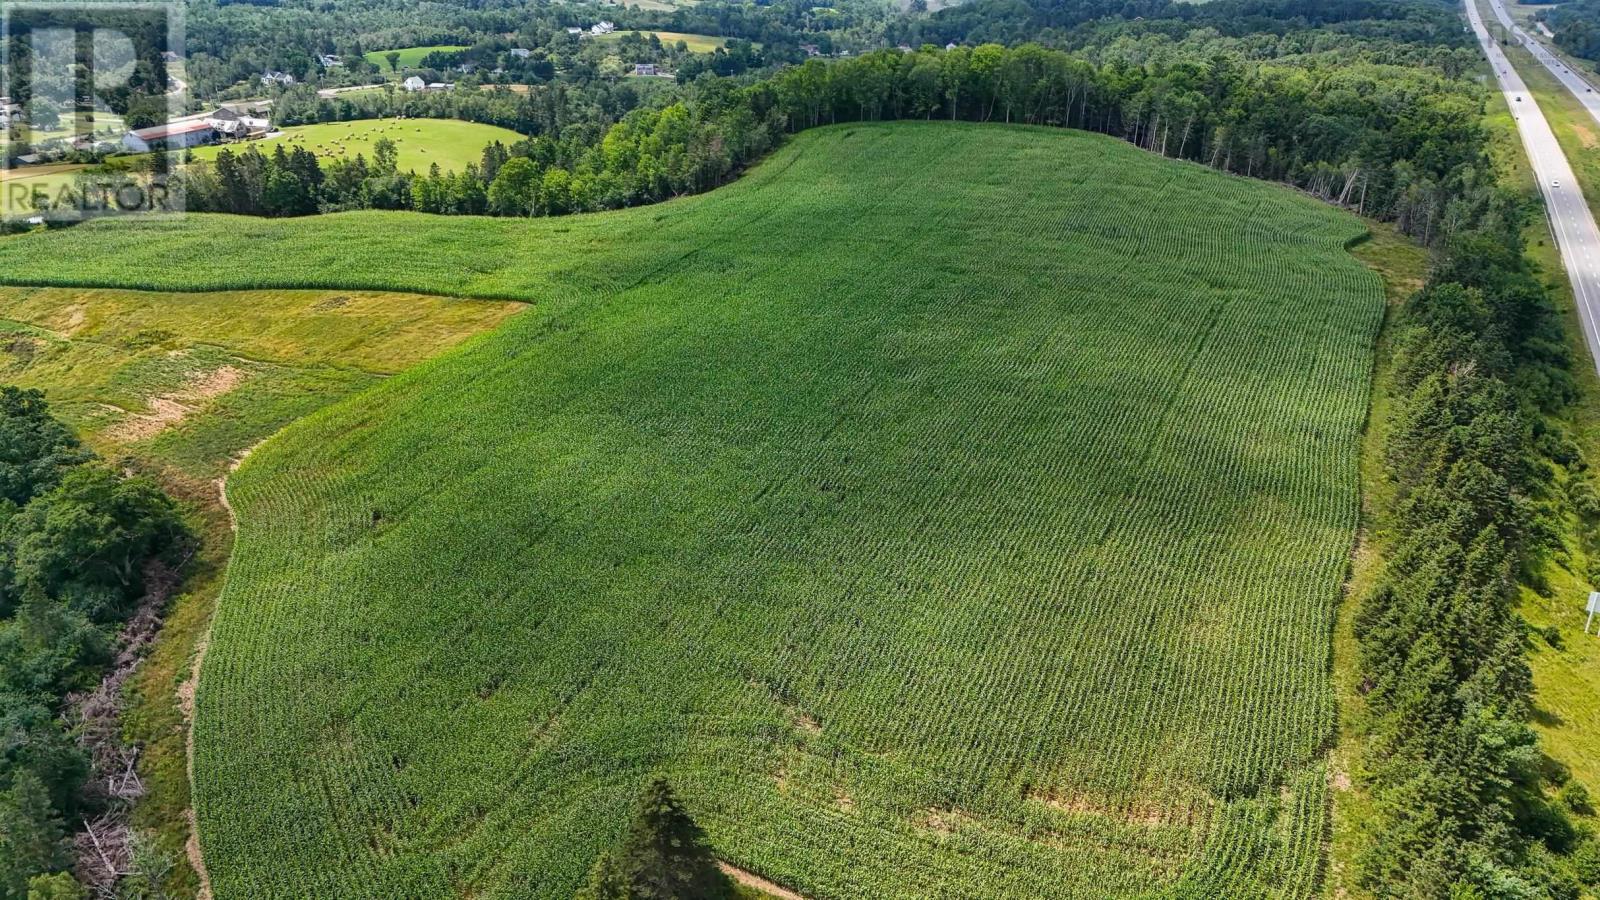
[420, 142]
[998, 562]
[103, 357]
[698, 43]
[410, 57]
[1403, 266]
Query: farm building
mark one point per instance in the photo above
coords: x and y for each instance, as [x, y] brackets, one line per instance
[414, 84]
[235, 126]
[575, 31]
[172, 136]
[600, 28]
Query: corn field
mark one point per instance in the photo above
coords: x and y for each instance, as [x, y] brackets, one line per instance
[946, 510]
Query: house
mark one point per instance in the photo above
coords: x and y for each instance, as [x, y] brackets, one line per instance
[414, 84]
[576, 32]
[172, 136]
[329, 61]
[904, 48]
[644, 69]
[279, 78]
[811, 49]
[950, 46]
[524, 52]
[600, 28]
[168, 56]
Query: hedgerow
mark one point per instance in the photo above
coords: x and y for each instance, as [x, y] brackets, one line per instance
[1459, 787]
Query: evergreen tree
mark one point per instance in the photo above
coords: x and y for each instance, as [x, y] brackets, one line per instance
[663, 857]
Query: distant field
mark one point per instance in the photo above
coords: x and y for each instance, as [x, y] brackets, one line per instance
[410, 57]
[997, 562]
[19, 186]
[698, 43]
[421, 142]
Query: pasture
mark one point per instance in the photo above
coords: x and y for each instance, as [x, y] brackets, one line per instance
[410, 57]
[997, 561]
[697, 43]
[419, 142]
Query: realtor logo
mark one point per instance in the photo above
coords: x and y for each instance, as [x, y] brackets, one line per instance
[74, 79]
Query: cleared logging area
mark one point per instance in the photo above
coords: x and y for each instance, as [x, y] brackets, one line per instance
[946, 510]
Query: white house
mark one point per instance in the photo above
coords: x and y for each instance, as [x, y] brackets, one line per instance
[414, 84]
[281, 78]
[600, 28]
[329, 61]
[172, 136]
[521, 52]
[576, 32]
[644, 69]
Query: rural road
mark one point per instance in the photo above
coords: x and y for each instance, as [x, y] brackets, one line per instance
[1570, 219]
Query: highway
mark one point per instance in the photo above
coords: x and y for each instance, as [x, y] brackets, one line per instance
[1570, 219]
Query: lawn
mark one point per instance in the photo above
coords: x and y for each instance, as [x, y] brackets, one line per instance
[998, 561]
[410, 57]
[138, 374]
[698, 43]
[420, 142]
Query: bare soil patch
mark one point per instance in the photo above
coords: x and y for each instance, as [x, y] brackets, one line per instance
[170, 409]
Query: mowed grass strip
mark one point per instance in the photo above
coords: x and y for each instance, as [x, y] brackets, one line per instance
[945, 509]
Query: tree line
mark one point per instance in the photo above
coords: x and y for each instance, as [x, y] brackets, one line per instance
[1393, 142]
[1464, 804]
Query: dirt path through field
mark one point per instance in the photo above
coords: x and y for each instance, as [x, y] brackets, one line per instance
[751, 879]
[186, 695]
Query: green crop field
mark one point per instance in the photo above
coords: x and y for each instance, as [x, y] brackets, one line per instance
[420, 142]
[410, 57]
[946, 510]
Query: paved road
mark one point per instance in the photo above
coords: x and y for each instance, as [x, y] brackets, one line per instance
[1570, 219]
[1580, 88]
